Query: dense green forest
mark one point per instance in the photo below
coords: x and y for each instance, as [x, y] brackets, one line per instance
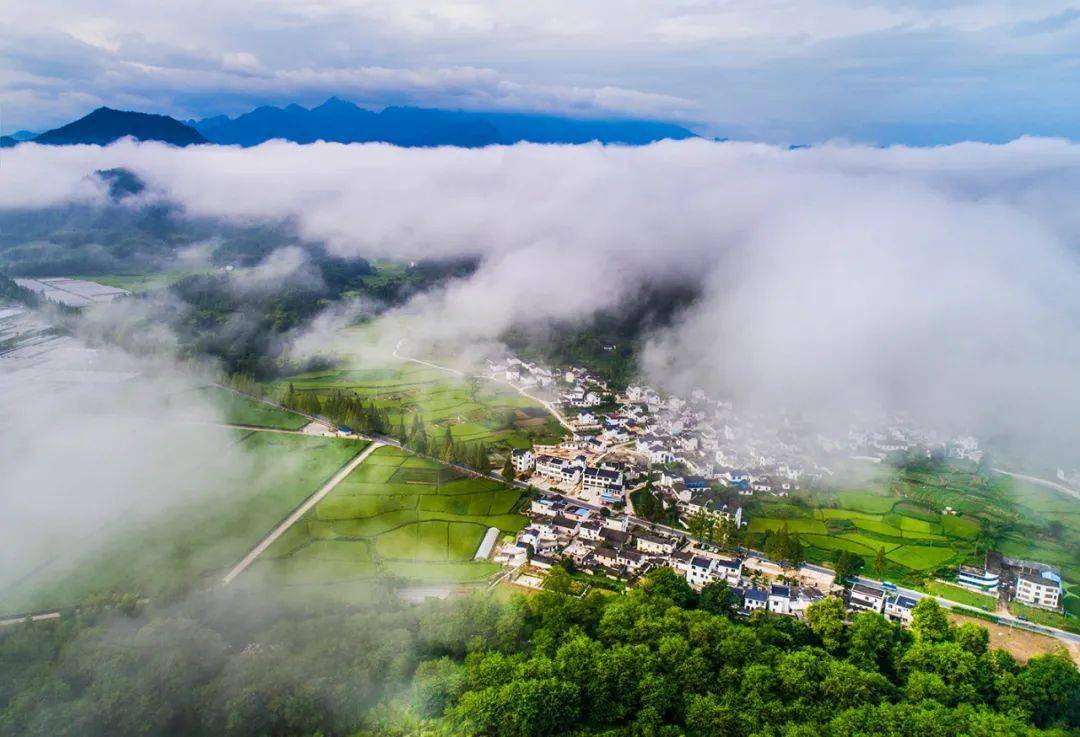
[660, 660]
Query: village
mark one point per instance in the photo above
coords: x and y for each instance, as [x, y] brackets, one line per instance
[702, 461]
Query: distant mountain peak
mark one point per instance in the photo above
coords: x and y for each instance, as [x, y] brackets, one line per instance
[105, 125]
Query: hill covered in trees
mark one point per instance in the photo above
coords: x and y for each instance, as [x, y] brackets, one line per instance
[660, 660]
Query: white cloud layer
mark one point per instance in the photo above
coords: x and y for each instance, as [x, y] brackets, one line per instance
[840, 277]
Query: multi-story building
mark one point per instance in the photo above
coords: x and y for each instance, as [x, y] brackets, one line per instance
[1041, 591]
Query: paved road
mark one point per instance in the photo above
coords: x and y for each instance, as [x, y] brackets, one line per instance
[1005, 619]
[1041, 482]
[299, 512]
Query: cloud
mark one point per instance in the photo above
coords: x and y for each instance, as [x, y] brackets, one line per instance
[777, 70]
[95, 443]
[835, 278]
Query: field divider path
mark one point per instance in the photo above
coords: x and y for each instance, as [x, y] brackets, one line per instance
[549, 406]
[299, 512]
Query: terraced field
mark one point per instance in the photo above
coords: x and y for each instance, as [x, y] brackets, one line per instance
[916, 539]
[930, 521]
[474, 410]
[396, 515]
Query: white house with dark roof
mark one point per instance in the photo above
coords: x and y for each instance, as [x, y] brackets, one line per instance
[700, 572]
[651, 542]
[522, 460]
[898, 608]
[867, 598]
[729, 569]
[779, 599]
[755, 598]
[802, 599]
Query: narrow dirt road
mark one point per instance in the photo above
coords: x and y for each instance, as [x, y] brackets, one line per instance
[299, 512]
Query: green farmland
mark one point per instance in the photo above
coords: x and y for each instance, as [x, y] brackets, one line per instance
[475, 411]
[195, 537]
[928, 522]
[241, 410]
[396, 515]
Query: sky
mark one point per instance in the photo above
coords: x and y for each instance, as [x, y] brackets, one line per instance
[782, 71]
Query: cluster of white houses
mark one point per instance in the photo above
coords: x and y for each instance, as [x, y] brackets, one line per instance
[721, 456]
[697, 434]
[610, 545]
[721, 453]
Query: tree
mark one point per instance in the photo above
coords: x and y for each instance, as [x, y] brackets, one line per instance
[879, 562]
[483, 459]
[973, 638]
[701, 524]
[826, 620]
[783, 547]
[1049, 688]
[666, 582]
[928, 621]
[846, 564]
[448, 445]
[718, 598]
[558, 580]
[508, 468]
[871, 639]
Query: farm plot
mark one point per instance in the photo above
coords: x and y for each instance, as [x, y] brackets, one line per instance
[397, 515]
[474, 410]
[195, 537]
[915, 539]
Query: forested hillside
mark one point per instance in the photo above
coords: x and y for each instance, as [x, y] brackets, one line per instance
[658, 661]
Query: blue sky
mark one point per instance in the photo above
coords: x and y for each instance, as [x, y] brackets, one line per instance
[784, 71]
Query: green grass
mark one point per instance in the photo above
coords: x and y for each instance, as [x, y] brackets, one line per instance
[961, 595]
[1045, 617]
[867, 502]
[199, 538]
[419, 531]
[474, 410]
[241, 410]
[763, 524]
[922, 558]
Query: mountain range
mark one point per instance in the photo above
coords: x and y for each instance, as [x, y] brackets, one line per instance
[344, 122]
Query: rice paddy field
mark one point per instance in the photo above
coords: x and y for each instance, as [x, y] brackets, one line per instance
[474, 410]
[928, 522]
[195, 538]
[399, 516]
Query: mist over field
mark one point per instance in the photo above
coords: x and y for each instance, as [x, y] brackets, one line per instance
[834, 280]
